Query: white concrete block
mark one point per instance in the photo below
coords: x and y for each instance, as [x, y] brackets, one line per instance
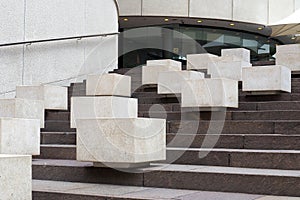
[267, 79]
[172, 82]
[165, 8]
[228, 69]
[15, 177]
[210, 93]
[54, 97]
[19, 136]
[237, 54]
[289, 56]
[154, 67]
[121, 141]
[201, 61]
[22, 108]
[108, 85]
[102, 107]
[164, 62]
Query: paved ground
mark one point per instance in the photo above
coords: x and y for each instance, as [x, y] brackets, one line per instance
[143, 192]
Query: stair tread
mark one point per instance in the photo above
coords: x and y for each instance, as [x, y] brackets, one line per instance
[59, 145]
[199, 149]
[137, 192]
[62, 133]
[181, 168]
[189, 134]
[234, 150]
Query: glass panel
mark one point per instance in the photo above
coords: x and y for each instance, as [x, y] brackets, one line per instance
[191, 40]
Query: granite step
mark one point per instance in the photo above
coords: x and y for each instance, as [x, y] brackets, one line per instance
[295, 86]
[285, 127]
[255, 141]
[152, 93]
[166, 107]
[281, 97]
[57, 126]
[252, 158]
[60, 190]
[191, 177]
[57, 115]
[239, 141]
[58, 138]
[271, 159]
[57, 151]
[221, 115]
[272, 105]
[158, 100]
[260, 98]
[203, 126]
[265, 115]
[177, 115]
[243, 106]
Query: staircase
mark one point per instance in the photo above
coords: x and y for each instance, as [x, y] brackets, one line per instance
[257, 153]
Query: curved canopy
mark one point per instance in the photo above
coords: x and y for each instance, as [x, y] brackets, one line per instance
[287, 26]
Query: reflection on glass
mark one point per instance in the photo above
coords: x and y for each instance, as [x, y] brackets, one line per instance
[213, 40]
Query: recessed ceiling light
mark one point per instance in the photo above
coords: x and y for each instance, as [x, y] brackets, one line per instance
[231, 24]
[125, 19]
[166, 19]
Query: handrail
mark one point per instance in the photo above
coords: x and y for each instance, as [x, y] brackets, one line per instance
[58, 39]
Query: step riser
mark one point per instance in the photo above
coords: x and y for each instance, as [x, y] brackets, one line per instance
[238, 159]
[249, 106]
[86, 175]
[282, 97]
[220, 158]
[235, 142]
[193, 127]
[64, 139]
[56, 115]
[57, 153]
[57, 126]
[234, 127]
[256, 184]
[196, 141]
[57, 196]
[279, 115]
[184, 116]
[202, 127]
[153, 94]
[224, 182]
